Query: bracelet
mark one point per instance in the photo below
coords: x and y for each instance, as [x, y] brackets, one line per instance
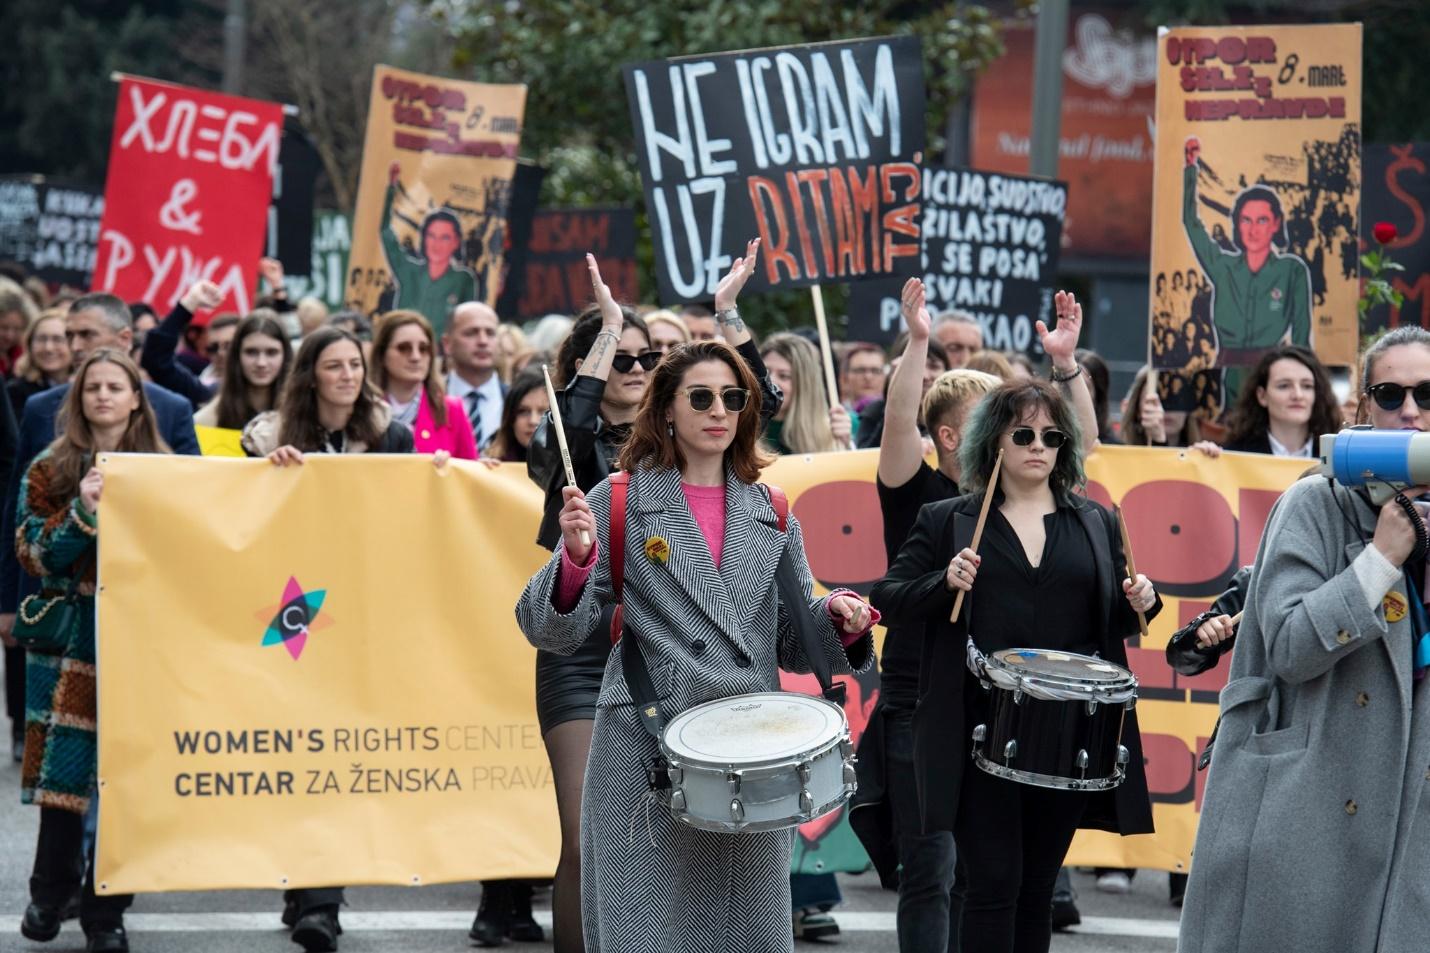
[726, 314]
[1063, 380]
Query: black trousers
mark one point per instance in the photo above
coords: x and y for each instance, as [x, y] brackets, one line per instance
[1012, 839]
[60, 871]
[309, 899]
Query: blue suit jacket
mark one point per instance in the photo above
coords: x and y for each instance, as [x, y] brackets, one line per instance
[37, 431]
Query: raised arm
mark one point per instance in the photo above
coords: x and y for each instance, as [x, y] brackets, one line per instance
[1061, 347]
[1206, 250]
[901, 449]
[727, 316]
[157, 358]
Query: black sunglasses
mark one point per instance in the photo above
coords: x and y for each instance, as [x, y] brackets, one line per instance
[624, 362]
[733, 399]
[1052, 439]
[1392, 396]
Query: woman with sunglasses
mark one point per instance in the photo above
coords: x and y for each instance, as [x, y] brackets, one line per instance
[603, 366]
[1050, 574]
[1319, 775]
[404, 369]
[705, 615]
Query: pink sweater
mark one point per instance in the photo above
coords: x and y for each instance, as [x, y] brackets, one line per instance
[707, 505]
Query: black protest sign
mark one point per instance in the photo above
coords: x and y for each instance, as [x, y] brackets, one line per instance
[1397, 191]
[290, 217]
[814, 149]
[556, 280]
[51, 228]
[525, 196]
[990, 249]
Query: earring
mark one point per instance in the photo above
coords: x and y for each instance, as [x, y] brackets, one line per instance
[669, 429]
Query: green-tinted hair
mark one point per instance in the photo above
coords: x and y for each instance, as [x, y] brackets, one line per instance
[1001, 410]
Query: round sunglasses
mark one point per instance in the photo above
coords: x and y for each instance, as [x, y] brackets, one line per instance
[1389, 396]
[1052, 439]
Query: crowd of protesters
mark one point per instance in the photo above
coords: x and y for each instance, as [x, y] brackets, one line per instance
[88, 372]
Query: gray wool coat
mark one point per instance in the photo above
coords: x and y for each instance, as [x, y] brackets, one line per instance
[1315, 828]
[649, 885]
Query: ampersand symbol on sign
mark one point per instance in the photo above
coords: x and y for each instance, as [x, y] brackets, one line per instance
[175, 214]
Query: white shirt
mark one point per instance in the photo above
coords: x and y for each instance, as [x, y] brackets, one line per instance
[1278, 450]
[489, 408]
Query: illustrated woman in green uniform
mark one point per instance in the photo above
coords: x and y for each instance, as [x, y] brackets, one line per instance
[1260, 295]
[434, 283]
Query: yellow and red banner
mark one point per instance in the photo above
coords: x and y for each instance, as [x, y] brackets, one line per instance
[322, 681]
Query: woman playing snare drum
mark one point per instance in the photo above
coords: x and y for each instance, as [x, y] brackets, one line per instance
[1050, 575]
[701, 545]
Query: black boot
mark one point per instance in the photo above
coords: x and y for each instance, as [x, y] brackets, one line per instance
[41, 924]
[317, 930]
[493, 914]
[523, 927]
[106, 938]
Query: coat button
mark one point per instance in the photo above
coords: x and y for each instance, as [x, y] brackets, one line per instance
[1351, 808]
[743, 662]
[1362, 699]
[1343, 637]
[426, 435]
[697, 648]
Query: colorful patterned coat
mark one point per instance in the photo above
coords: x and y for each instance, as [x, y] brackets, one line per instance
[52, 541]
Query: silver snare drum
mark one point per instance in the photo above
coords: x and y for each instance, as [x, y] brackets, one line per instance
[1054, 719]
[758, 762]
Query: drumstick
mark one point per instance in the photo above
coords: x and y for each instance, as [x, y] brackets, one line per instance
[1131, 566]
[978, 528]
[561, 439]
[1236, 619]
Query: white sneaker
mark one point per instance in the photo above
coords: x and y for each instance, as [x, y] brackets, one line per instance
[1114, 881]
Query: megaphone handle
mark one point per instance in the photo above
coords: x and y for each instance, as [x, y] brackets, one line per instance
[1422, 538]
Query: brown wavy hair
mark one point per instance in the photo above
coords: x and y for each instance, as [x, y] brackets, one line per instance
[72, 453]
[387, 328]
[298, 411]
[1249, 420]
[650, 443]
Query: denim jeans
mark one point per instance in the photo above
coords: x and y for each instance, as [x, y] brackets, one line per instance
[930, 881]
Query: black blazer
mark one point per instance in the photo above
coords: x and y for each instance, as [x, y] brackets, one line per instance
[914, 593]
[1258, 444]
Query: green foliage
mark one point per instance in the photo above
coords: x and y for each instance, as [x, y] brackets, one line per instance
[578, 122]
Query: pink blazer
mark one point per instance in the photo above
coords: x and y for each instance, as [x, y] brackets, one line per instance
[456, 438]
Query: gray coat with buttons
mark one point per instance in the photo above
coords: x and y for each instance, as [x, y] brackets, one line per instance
[1315, 828]
[649, 885]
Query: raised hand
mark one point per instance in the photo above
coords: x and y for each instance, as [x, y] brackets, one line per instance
[740, 271]
[611, 315]
[203, 295]
[913, 305]
[271, 271]
[1193, 150]
[1061, 342]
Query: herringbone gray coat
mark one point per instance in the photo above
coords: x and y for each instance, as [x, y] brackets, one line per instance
[648, 884]
[1315, 828]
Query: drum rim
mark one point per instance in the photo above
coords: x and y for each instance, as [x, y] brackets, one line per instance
[1050, 781]
[763, 765]
[756, 827]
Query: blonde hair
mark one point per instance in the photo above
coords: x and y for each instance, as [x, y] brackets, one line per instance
[949, 391]
[806, 420]
[508, 332]
[991, 362]
[25, 366]
[668, 317]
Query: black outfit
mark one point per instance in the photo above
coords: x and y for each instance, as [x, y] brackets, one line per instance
[61, 872]
[1261, 444]
[885, 810]
[567, 685]
[871, 425]
[160, 360]
[1011, 837]
[1183, 652]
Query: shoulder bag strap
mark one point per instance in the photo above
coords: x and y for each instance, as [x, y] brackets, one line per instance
[633, 667]
[791, 592]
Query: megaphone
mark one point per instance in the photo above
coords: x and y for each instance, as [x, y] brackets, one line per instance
[1385, 462]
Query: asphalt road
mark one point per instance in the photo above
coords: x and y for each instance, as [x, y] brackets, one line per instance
[435, 919]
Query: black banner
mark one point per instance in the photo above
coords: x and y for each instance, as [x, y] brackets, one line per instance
[525, 196]
[51, 228]
[555, 279]
[1397, 190]
[990, 248]
[814, 149]
[290, 217]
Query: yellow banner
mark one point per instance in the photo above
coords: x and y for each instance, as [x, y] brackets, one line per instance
[318, 683]
[1257, 193]
[220, 442]
[435, 188]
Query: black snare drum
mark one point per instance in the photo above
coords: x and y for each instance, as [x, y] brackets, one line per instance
[1054, 720]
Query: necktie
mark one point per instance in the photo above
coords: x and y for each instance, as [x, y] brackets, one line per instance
[474, 413]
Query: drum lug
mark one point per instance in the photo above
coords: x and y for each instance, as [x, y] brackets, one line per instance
[846, 749]
[1082, 760]
[677, 801]
[851, 776]
[733, 780]
[1092, 706]
[737, 810]
[1132, 703]
[804, 771]
[1122, 754]
[1017, 696]
[677, 774]
[1010, 750]
[979, 733]
[806, 803]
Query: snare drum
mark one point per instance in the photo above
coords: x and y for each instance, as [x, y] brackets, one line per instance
[1054, 719]
[758, 762]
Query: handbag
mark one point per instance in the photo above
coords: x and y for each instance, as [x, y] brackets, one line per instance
[48, 625]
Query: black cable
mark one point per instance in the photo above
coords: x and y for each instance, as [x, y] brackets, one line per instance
[1422, 538]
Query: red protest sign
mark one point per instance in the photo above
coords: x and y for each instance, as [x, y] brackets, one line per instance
[187, 194]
